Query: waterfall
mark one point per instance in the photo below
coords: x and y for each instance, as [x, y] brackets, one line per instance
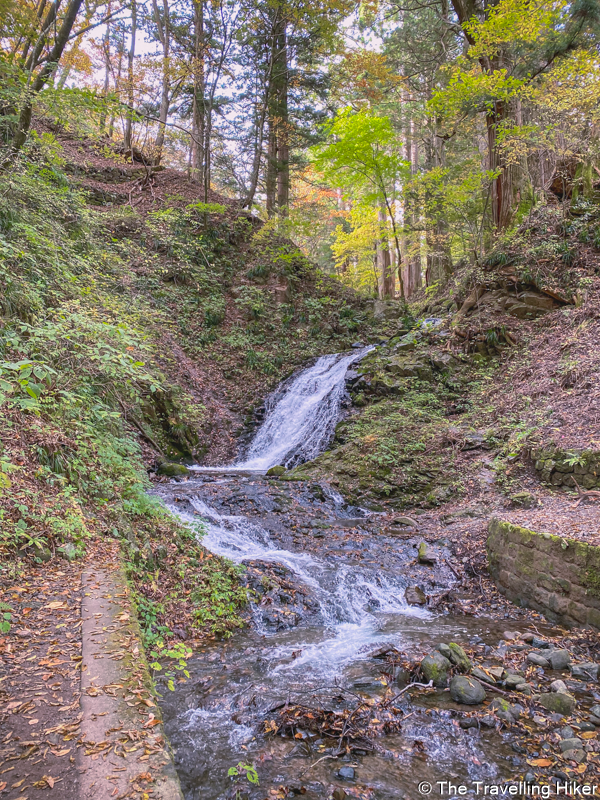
[302, 415]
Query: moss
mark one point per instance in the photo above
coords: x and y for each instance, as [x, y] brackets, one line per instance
[592, 582]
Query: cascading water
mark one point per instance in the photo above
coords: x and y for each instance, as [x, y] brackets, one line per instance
[300, 421]
[351, 600]
[354, 576]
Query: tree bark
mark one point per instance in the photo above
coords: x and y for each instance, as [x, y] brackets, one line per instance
[62, 37]
[164, 34]
[198, 110]
[130, 61]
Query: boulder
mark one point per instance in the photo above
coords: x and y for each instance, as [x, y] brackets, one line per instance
[466, 690]
[435, 668]
[557, 703]
[276, 472]
[172, 469]
[559, 659]
[415, 596]
[459, 657]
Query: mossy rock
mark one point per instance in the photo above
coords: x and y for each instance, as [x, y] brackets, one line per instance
[172, 470]
[435, 668]
[276, 472]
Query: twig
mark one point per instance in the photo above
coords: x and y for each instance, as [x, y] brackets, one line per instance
[406, 688]
[337, 755]
[583, 494]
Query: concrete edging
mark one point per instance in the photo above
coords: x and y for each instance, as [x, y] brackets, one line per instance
[124, 751]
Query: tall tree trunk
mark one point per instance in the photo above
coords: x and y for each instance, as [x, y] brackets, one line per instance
[106, 52]
[130, 61]
[415, 266]
[198, 110]
[164, 34]
[278, 166]
[283, 149]
[386, 282]
[60, 42]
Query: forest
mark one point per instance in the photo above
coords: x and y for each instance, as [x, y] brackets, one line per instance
[299, 399]
[392, 141]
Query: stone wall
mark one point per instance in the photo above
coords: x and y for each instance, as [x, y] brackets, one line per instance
[559, 577]
[561, 468]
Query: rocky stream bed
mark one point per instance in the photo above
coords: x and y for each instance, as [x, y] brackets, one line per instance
[313, 693]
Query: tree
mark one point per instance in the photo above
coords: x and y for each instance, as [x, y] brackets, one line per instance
[362, 158]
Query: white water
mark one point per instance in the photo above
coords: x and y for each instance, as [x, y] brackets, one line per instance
[299, 425]
[353, 601]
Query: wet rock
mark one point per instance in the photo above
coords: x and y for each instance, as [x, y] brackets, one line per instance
[524, 688]
[478, 673]
[585, 727]
[444, 650]
[540, 644]
[595, 711]
[557, 702]
[275, 472]
[538, 660]
[497, 672]
[488, 721]
[383, 651]
[505, 717]
[435, 668]
[425, 557]
[172, 470]
[469, 722]
[346, 773]
[415, 596]
[459, 657]
[567, 732]
[559, 659]
[466, 690]
[513, 679]
[586, 672]
[559, 686]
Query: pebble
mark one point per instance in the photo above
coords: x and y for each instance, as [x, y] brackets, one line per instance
[586, 726]
[558, 686]
[529, 777]
[595, 711]
[346, 774]
[567, 732]
[541, 721]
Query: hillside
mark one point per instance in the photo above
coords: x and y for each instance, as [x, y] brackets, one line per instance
[138, 326]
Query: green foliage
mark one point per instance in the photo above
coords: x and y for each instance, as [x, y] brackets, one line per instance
[244, 770]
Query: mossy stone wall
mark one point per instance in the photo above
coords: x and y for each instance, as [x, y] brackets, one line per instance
[562, 468]
[559, 577]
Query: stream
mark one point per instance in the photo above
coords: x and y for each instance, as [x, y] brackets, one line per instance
[329, 600]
